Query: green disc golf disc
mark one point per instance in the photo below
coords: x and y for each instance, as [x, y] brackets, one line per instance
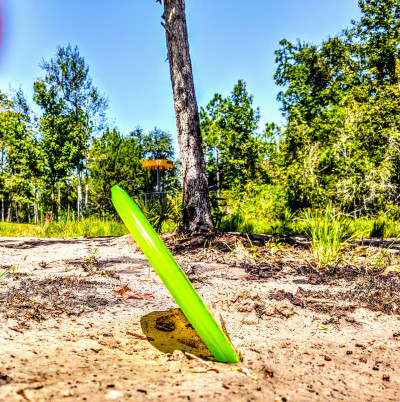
[173, 277]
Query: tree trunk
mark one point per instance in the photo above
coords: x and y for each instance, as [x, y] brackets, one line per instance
[9, 208]
[35, 205]
[2, 208]
[196, 201]
[217, 172]
[86, 193]
[59, 200]
[52, 199]
[79, 201]
[16, 211]
[68, 195]
[28, 214]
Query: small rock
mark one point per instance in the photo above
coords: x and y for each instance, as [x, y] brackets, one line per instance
[251, 319]
[327, 358]
[88, 344]
[349, 352]
[65, 393]
[360, 345]
[114, 395]
[386, 377]
[363, 359]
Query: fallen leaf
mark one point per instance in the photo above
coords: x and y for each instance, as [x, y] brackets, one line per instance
[124, 292]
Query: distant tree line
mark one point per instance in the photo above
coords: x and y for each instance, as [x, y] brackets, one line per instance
[340, 142]
[341, 100]
[66, 159]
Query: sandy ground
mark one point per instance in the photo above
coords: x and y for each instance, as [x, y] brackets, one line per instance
[66, 334]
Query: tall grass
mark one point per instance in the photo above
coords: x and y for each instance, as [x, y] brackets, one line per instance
[90, 227]
[329, 232]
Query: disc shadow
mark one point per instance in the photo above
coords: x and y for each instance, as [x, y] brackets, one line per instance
[170, 330]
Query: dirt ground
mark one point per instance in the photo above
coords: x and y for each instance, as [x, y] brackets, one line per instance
[87, 319]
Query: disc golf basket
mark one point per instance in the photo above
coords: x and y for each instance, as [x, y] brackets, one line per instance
[157, 165]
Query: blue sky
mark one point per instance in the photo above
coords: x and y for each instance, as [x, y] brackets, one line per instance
[124, 45]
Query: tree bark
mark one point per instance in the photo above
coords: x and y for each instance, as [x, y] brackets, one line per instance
[35, 205]
[16, 211]
[9, 212]
[59, 200]
[68, 195]
[79, 201]
[2, 208]
[86, 193]
[28, 214]
[196, 202]
[217, 172]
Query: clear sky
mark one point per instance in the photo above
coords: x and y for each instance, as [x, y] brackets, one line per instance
[124, 45]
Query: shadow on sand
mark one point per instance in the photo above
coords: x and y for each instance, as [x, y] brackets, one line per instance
[170, 330]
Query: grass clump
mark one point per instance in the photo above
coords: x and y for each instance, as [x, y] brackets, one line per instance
[329, 232]
[89, 227]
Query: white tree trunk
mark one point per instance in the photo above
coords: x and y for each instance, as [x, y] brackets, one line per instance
[86, 194]
[79, 201]
[35, 205]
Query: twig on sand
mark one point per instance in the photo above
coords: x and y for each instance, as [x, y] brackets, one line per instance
[198, 359]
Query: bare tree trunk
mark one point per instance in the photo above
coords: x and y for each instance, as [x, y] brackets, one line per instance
[79, 201]
[59, 200]
[16, 211]
[217, 172]
[9, 208]
[28, 214]
[68, 195]
[52, 199]
[86, 193]
[2, 208]
[35, 205]
[196, 201]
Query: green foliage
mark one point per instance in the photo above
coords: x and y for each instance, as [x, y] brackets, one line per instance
[161, 214]
[157, 144]
[235, 153]
[341, 101]
[114, 159]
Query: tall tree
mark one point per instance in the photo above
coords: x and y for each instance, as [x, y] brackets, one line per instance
[115, 160]
[235, 151]
[341, 101]
[196, 201]
[67, 79]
